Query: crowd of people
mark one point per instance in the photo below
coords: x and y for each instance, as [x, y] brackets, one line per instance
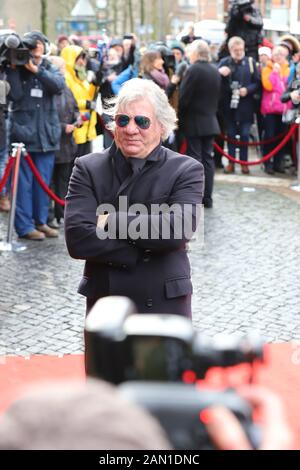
[58, 104]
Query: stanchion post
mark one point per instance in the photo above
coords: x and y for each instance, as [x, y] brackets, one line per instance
[296, 187]
[9, 245]
[237, 148]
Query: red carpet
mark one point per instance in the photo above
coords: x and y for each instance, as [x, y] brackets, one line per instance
[281, 374]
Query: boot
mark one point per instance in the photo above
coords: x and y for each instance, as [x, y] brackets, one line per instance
[245, 170]
[4, 204]
[229, 168]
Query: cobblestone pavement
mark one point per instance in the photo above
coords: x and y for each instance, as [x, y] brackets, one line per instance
[246, 276]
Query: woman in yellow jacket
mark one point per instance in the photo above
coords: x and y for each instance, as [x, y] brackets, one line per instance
[84, 93]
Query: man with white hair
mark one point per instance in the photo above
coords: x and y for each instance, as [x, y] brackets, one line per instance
[198, 104]
[126, 249]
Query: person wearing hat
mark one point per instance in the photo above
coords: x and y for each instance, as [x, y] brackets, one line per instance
[264, 55]
[61, 42]
[84, 93]
[34, 121]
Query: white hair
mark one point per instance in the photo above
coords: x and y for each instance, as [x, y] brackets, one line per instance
[201, 48]
[138, 89]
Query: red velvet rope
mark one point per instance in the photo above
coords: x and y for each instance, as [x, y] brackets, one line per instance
[266, 157]
[6, 173]
[42, 182]
[254, 144]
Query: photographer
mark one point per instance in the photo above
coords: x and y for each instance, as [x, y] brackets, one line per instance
[293, 91]
[240, 81]
[245, 21]
[34, 121]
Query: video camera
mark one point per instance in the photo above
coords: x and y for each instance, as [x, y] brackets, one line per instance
[243, 5]
[158, 359]
[12, 50]
[15, 50]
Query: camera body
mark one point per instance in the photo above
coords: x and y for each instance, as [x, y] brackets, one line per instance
[244, 6]
[13, 51]
[235, 96]
[157, 359]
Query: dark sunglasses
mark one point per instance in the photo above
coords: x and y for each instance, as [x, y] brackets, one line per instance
[122, 120]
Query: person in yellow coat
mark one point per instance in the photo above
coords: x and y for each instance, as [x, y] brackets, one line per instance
[84, 93]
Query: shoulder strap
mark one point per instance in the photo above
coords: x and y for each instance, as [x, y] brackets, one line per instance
[251, 66]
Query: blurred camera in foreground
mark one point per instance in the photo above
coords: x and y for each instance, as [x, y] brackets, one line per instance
[158, 359]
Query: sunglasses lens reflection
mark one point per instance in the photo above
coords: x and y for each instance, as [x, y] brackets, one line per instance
[143, 122]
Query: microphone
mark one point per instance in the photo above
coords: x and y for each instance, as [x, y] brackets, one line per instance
[12, 41]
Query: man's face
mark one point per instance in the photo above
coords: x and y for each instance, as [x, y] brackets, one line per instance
[39, 50]
[131, 139]
[237, 52]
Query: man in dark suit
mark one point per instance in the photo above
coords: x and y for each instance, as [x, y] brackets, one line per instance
[198, 105]
[152, 269]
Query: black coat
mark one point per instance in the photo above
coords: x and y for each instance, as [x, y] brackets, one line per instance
[198, 100]
[155, 274]
[68, 113]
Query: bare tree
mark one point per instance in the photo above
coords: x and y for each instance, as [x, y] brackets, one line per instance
[142, 12]
[130, 14]
[44, 16]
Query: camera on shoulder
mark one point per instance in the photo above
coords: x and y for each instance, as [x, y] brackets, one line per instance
[12, 50]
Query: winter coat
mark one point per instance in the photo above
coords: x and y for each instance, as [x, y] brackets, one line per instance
[154, 273]
[34, 119]
[274, 85]
[199, 94]
[246, 74]
[83, 92]
[68, 114]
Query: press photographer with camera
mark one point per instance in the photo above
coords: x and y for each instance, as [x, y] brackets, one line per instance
[293, 93]
[34, 121]
[240, 81]
[245, 21]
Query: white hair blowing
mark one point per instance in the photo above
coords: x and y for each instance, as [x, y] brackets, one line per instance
[138, 89]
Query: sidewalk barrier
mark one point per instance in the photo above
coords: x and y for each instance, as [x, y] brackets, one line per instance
[42, 182]
[266, 157]
[296, 187]
[255, 143]
[9, 245]
[6, 173]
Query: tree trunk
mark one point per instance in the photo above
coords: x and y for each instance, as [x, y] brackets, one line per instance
[44, 19]
[142, 10]
[131, 20]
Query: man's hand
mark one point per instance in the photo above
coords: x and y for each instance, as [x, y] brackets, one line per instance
[225, 71]
[243, 91]
[69, 128]
[175, 79]
[246, 17]
[31, 67]
[226, 432]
